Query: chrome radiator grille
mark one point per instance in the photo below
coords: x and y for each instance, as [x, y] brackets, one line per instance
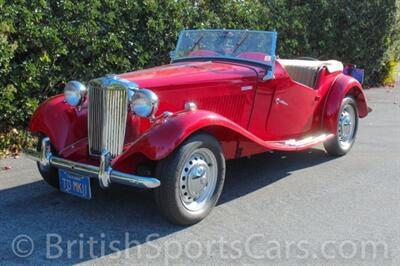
[108, 107]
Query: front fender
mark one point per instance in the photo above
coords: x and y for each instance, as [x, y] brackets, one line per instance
[63, 124]
[163, 138]
[344, 85]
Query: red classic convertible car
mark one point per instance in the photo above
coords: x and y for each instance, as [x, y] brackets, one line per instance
[171, 128]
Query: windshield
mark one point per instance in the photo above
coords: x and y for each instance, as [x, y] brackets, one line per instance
[244, 45]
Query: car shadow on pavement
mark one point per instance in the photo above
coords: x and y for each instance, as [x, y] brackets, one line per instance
[246, 175]
[120, 214]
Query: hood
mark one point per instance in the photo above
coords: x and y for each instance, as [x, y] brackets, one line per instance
[188, 73]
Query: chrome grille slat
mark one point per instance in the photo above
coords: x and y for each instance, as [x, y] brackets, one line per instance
[108, 107]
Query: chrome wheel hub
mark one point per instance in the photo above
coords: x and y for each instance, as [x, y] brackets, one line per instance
[198, 179]
[346, 127]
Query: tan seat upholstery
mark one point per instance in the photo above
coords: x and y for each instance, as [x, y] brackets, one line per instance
[305, 71]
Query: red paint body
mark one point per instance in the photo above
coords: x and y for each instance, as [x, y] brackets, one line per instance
[234, 104]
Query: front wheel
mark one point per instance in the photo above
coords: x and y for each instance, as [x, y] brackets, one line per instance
[346, 129]
[192, 179]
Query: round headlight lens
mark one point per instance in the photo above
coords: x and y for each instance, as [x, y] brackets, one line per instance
[74, 92]
[144, 103]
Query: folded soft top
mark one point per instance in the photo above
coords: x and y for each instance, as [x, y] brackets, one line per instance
[305, 71]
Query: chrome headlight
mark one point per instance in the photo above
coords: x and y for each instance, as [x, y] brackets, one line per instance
[74, 93]
[144, 103]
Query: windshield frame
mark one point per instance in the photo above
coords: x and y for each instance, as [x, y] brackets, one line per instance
[269, 65]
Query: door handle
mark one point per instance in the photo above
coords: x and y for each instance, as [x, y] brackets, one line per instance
[280, 101]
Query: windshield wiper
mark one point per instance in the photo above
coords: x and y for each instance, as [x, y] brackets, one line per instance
[240, 42]
[196, 43]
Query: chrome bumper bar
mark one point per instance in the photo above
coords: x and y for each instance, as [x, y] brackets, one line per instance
[105, 174]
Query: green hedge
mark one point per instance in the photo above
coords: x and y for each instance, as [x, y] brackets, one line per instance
[44, 42]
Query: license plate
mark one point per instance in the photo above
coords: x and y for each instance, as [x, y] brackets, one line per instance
[74, 184]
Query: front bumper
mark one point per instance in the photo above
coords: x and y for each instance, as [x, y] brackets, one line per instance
[104, 172]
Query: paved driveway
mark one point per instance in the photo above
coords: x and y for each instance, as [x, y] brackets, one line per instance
[280, 208]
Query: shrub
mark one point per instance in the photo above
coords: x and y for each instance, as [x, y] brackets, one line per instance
[44, 43]
[365, 33]
[13, 141]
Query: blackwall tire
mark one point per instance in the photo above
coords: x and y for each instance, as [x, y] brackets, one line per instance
[346, 130]
[192, 178]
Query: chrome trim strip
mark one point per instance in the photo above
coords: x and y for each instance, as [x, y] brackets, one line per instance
[45, 156]
[306, 141]
[247, 88]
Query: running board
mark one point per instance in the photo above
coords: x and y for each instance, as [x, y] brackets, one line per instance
[301, 144]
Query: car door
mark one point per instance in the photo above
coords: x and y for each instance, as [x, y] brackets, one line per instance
[292, 110]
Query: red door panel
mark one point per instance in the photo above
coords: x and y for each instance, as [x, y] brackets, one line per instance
[292, 110]
[261, 108]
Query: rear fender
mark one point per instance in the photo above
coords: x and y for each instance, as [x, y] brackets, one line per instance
[343, 85]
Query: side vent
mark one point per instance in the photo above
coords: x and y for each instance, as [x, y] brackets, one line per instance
[228, 106]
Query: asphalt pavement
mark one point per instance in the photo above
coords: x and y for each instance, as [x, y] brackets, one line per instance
[276, 208]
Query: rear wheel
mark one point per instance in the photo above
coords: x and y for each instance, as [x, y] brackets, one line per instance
[191, 178]
[48, 172]
[346, 129]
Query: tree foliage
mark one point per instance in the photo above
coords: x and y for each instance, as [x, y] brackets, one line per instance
[44, 43]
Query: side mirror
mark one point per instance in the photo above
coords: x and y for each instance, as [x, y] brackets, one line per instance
[269, 75]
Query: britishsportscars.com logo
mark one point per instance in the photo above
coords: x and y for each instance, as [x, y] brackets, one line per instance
[255, 246]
